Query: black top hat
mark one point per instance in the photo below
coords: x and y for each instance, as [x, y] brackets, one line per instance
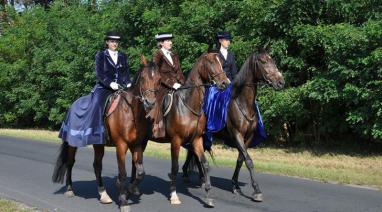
[112, 36]
[163, 36]
[223, 35]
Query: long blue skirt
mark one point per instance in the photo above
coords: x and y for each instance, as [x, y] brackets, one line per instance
[84, 123]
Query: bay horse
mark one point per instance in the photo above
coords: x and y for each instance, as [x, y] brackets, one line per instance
[126, 127]
[242, 116]
[185, 121]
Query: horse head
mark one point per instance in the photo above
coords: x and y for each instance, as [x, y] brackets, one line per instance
[267, 70]
[212, 71]
[149, 83]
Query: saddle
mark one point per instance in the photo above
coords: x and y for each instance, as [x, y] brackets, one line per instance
[109, 107]
[167, 103]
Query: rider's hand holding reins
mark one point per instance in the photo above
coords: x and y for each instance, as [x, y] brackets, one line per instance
[176, 86]
[114, 86]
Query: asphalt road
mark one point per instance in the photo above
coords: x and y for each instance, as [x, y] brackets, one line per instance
[26, 168]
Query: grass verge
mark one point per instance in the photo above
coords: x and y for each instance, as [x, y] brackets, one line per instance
[355, 169]
[13, 206]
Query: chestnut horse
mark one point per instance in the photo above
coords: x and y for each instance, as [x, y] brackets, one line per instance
[185, 121]
[242, 116]
[127, 127]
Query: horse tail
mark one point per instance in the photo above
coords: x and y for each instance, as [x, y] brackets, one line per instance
[212, 155]
[193, 160]
[61, 164]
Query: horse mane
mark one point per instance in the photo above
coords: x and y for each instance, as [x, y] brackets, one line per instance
[242, 76]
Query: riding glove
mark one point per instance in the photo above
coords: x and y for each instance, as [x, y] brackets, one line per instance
[176, 86]
[114, 86]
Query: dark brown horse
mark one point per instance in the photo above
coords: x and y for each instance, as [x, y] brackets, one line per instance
[242, 117]
[185, 121]
[127, 127]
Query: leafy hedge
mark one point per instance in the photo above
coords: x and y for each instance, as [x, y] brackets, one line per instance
[329, 51]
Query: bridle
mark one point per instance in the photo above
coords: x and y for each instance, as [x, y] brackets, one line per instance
[256, 66]
[143, 93]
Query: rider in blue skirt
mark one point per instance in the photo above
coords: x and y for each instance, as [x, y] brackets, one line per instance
[84, 123]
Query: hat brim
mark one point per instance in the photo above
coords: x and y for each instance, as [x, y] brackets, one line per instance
[225, 37]
[112, 38]
[162, 37]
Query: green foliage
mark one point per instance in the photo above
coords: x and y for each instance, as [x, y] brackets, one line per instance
[330, 53]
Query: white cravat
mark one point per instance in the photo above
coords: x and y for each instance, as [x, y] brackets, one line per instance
[167, 53]
[224, 52]
[114, 55]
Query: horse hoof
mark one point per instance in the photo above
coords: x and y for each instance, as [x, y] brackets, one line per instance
[175, 201]
[125, 208]
[257, 197]
[69, 194]
[236, 191]
[104, 197]
[210, 203]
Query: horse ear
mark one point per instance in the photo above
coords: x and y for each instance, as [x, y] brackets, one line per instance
[266, 47]
[143, 60]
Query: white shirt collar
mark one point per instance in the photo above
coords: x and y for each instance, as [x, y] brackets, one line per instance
[224, 52]
[113, 55]
[111, 52]
[165, 51]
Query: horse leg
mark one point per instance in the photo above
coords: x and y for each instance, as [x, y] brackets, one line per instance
[186, 164]
[137, 172]
[121, 149]
[175, 147]
[235, 184]
[99, 151]
[69, 166]
[257, 195]
[204, 169]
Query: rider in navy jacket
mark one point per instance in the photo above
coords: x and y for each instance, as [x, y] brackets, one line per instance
[229, 64]
[107, 71]
[84, 123]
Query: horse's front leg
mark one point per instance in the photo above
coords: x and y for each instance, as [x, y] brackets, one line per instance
[203, 162]
[257, 195]
[99, 151]
[175, 147]
[235, 184]
[121, 149]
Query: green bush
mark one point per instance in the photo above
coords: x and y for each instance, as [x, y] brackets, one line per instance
[330, 53]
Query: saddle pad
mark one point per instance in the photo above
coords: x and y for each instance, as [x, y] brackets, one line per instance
[113, 105]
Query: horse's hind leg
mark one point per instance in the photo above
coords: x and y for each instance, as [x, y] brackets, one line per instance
[257, 195]
[203, 162]
[189, 156]
[137, 172]
[71, 159]
[99, 151]
[235, 184]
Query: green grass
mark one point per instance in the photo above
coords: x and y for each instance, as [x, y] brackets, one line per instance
[13, 206]
[343, 168]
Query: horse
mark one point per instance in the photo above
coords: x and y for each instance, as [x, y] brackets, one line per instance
[129, 129]
[242, 117]
[126, 126]
[185, 121]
